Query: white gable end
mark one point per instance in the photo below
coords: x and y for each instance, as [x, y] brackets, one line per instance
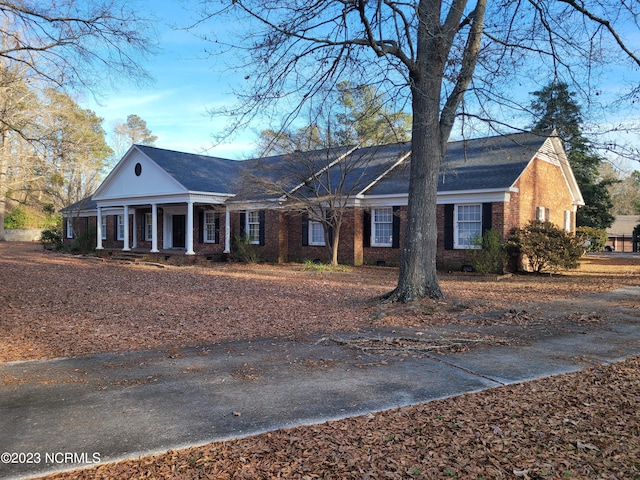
[137, 176]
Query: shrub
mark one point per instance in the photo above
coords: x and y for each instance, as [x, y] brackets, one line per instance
[243, 250]
[17, 217]
[51, 238]
[491, 256]
[593, 239]
[546, 247]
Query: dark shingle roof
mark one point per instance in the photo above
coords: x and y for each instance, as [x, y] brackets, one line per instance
[482, 163]
[199, 173]
[82, 205]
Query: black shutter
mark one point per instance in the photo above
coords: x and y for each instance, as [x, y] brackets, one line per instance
[243, 224]
[115, 227]
[216, 228]
[366, 228]
[201, 226]
[395, 241]
[305, 230]
[261, 232]
[448, 226]
[486, 216]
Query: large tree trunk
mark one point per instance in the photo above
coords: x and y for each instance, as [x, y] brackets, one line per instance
[418, 275]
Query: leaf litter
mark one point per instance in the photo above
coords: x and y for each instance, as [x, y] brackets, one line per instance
[577, 425]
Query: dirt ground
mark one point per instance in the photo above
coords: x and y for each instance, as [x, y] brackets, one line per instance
[582, 425]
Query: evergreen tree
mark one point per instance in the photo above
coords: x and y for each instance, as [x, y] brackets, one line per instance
[556, 108]
[362, 118]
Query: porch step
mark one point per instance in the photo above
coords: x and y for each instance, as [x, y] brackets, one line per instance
[131, 257]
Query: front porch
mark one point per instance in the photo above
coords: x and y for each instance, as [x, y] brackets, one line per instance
[170, 256]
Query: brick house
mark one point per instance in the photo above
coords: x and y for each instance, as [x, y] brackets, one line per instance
[165, 202]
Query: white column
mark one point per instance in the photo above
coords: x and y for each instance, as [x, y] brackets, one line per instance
[126, 247]
[134, 240]
[190, 229]
[99, 230]
[154, 228]
[227, 230]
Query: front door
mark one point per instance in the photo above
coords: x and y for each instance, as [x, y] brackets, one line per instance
[178, 232]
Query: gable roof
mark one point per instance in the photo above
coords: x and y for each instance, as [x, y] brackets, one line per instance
[475, 164]
[481, 164]
[198, 173]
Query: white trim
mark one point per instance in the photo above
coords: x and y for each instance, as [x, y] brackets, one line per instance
[386, 172]
[69, 229]
[247, 229]
[119, 224]
[148, 226]
[310, 233]
[374, 226]
[456, 226]
[205, 232]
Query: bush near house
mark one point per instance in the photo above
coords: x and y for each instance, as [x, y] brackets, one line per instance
[545, 247]
[594, 239]
[491, 256]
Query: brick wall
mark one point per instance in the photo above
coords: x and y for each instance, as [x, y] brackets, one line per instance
[542, 184]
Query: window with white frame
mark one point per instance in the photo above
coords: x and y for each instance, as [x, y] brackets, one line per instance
[253, 227]
[567, 220]
[120, 224]
[316, 233]
[148, 227]
[69, 228]
[467, 225]
[382, 227]
[542, 214]
[209, 227]
[103, 223]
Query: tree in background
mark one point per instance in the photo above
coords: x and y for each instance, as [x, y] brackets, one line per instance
[351, 115]
[556, 108]
[68, 45]
[624, 190]
[75, 150]
[17, 104]
[132, 132]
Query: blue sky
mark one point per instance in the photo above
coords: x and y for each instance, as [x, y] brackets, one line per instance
[185, 85]
[175, 104]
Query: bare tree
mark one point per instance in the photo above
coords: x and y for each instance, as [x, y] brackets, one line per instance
[434, 52]
[17, 104]
[133, 131]
[74, 44]
[319, 185]
[65, 44]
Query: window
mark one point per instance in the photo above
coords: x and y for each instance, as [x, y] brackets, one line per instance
[382, 227]
[468, 225]
[316, 233]
[103, 223]
[542, 214]
[209, 219]
[69, 228]
[567, 220]
[148, 227]
[120, 227]
[253, 227]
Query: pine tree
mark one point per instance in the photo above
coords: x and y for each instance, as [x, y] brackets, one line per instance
[556, 108]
